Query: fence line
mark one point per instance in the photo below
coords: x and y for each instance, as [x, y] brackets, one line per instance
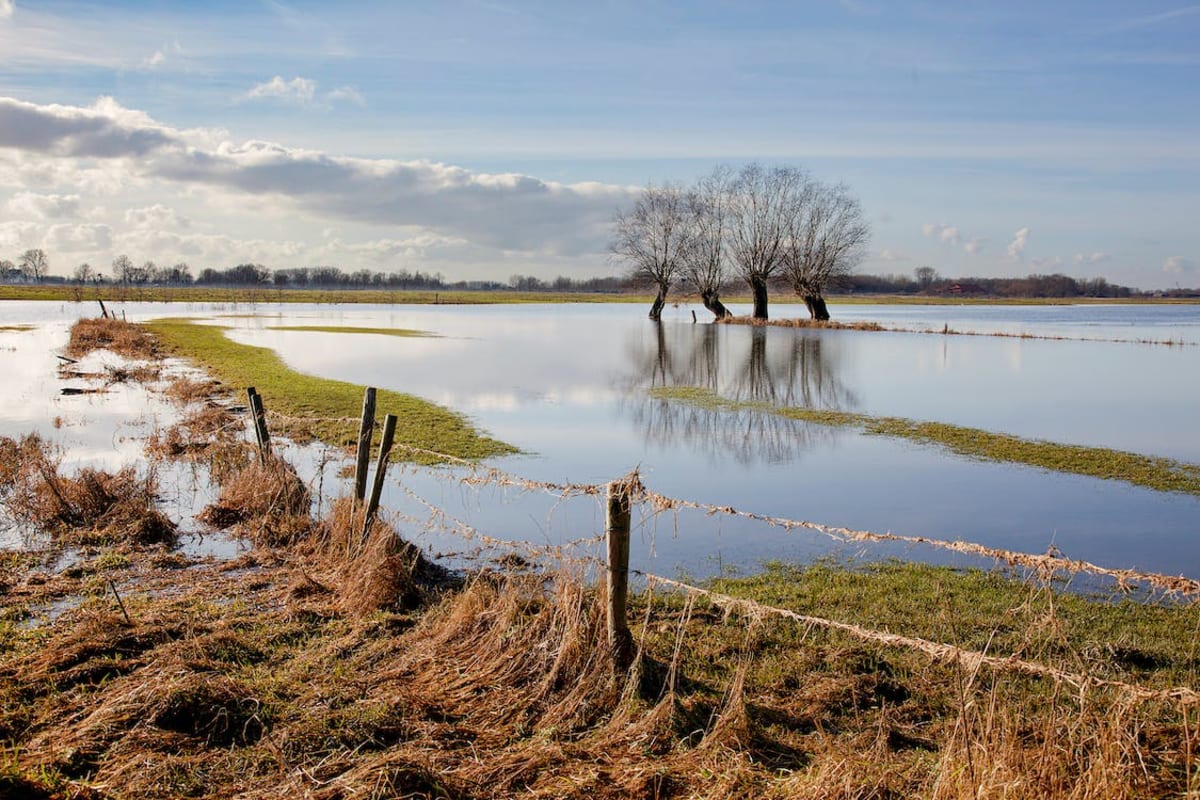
[468, 532]
[972, 659]
[1046, 563]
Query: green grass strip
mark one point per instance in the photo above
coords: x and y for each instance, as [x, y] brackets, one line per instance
[402, 332]
[1152, 472]
[980, 609]
[323, 409]
[253, 295]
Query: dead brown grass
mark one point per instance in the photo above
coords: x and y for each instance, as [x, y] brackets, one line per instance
[256, 680]
[91, 507]
[118, 336]
[267, 502]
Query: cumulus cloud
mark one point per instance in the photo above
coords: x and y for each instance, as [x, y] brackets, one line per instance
[297, 90]
[974, 246]
[156, 216]
[937, 230]
[78, 238]
[105, 130]
[1179, 264]
[44, 206]
[887, 254]
[1016, 248]
[1091, 258]
[6, 9]
[509, 211]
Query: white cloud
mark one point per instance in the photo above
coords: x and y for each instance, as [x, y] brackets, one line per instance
[346, 94]
[6, 9]
[85, 238]
[1179, 264]
[974, 246]
[1091, 258]
[44, 206]
[946, 233]
[507, 212]
[1046, 263]
[887, 254]
[1016, 248]
[301, 91]
[156, 216]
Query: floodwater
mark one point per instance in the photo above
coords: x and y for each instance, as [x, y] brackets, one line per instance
[568, 385]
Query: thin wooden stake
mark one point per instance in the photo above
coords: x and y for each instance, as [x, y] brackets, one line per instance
[616, 532]
[385, 449]
[103, 311]
[259, 415]
[120, 603]
[363, 462]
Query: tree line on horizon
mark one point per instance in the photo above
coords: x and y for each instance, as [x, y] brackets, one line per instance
[31, 267]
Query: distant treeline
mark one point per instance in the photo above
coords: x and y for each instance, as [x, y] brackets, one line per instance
[924, 281]
[1030, 286]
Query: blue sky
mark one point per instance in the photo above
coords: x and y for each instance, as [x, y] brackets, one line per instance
[482, 139]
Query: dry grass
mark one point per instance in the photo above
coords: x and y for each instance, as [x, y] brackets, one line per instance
[91, 507]
[257, 681]
[118, 336]
[266, 501]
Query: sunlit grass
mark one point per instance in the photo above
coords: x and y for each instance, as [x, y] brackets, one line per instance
[1152, 472]
[307, 407]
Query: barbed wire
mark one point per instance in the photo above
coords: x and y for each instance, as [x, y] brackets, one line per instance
[452, 525]
[972, 659]
[1046, 563]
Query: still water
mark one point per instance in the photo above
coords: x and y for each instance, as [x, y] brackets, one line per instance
[568, 385]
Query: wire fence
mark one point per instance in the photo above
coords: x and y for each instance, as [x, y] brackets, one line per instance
[629, 490]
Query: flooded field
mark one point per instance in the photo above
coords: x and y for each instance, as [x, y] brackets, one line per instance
[569, 386]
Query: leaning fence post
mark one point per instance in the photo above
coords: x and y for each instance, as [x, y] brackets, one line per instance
[364, 444]
[385, 449]
[259, 415]
[616, 532]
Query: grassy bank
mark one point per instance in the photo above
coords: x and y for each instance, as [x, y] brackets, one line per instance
[308, 407]
[1160, 474]
[251, 677]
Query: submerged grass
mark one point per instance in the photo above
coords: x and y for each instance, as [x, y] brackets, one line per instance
[402, 332]
[304, 407]
[1152, 472]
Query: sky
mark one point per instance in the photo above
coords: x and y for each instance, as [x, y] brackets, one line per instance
[483, 139]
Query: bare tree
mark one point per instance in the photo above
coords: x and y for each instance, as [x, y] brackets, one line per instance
[827, 239]
[123, 269]
[33, 264]
[925, 276]
[705, 264]
[652, 238]
[84, 273]
[763, 203]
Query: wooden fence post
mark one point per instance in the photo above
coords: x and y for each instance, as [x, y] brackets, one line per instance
[385, 449]
[365, 429]
[616, 533]
[259, 415]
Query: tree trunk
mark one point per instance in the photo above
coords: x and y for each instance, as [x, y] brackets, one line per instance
[759, 287]
[816, 307]
[712, 301]
[659, 302]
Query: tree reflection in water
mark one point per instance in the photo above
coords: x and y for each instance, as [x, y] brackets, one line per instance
[777, 366]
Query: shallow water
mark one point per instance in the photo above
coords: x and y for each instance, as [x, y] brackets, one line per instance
[567, 384]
